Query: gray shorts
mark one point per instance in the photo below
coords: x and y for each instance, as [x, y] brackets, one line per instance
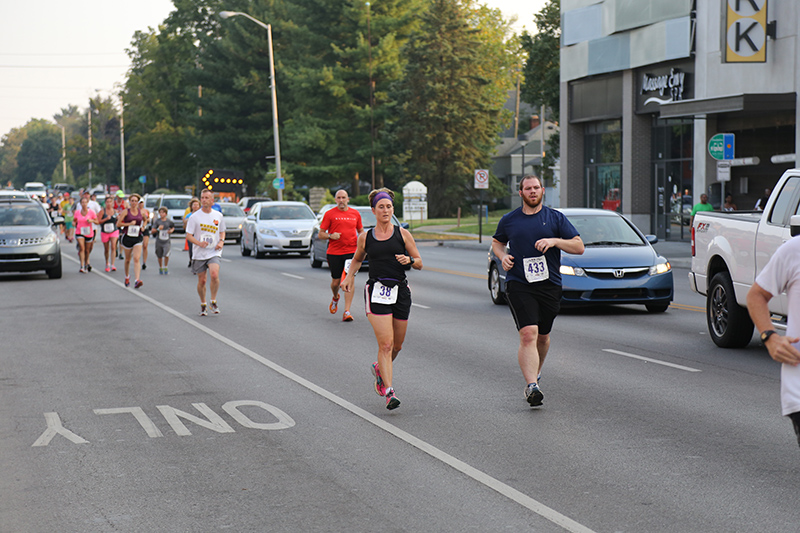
[201, 265]
[163, 248]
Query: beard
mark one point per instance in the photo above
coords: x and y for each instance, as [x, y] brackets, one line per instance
[533, 203]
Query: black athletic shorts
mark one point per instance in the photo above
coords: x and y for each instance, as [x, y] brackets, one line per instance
[399, 310]
[534, 304]
[336, 264]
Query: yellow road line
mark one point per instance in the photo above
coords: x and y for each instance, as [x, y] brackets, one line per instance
[456, 273]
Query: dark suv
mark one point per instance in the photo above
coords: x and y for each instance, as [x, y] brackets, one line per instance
[28, 240]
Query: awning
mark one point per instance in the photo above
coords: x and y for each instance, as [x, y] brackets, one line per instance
[751, 103]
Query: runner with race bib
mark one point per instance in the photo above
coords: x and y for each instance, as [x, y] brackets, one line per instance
[535, 235]
[84, 218]
[131, 221]
[387, 296]
[205, 230]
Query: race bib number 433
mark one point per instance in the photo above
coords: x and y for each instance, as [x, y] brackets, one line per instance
[535, 269]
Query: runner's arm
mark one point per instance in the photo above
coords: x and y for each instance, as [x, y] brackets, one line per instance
[411, 249]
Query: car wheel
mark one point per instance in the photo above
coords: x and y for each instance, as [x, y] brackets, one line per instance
[244, 248]
[55, 272]
[312, 258]
[498, 297]
[656, 308]
[729, 323]
[259, 253]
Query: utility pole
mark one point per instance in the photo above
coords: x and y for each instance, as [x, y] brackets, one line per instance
[122, 143]
[90, 143]
[371, 100]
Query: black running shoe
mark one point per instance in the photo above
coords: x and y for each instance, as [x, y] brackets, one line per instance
[534, 395]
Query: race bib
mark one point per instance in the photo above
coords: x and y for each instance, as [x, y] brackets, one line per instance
[86, 231]
[163, 235]
[207, 237]
[109, 227]
[535, 269]
[133, 231]
[381, 294]
[347, 266]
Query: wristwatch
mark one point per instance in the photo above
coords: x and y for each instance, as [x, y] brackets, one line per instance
[766, 335]
[412, 260]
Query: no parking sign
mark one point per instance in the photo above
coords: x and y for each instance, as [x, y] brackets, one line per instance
[481, 178]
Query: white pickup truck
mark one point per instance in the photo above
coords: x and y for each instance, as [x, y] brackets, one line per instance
[730, 249]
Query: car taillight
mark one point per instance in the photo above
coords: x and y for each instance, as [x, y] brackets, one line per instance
[692, 241]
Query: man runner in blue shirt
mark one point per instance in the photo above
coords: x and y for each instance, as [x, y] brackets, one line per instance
[535, 235]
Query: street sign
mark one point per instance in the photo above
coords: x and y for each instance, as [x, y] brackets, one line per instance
[721, 146]
[142, 179]
[481, 178]
[278, 183]
[723, 171]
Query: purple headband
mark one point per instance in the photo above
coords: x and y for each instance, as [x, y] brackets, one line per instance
[380, 196]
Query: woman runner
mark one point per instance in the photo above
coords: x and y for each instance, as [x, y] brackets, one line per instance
[387, 297]
[132, 222]
[109, 233]
[84, 218]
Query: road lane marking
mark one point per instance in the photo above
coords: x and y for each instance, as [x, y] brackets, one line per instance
[456, 273]
[292, 275]
[481, 477]
[419, 305]
[649, 360]
[688, 307]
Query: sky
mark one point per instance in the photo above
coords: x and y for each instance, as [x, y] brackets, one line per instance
[54, 53]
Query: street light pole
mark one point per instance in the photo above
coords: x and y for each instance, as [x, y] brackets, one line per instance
[523, 140]
[268, 27]
[64, 153]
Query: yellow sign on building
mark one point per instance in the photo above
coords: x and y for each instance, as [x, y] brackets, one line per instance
[746, 36]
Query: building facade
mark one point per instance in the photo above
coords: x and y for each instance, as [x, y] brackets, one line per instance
[646, 85]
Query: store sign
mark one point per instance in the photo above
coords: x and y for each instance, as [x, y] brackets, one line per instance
[746, 31]
[661, 85]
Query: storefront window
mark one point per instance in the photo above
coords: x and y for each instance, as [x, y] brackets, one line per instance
[603, 148]
[672, 158]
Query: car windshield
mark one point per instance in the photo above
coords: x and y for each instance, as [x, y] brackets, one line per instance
[175, 203]
[231, 210]
[23, 215]
[252, 201]
[286, 212]
[151, 202]
[605, 231]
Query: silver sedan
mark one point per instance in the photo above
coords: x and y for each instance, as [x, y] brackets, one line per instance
[277, 228]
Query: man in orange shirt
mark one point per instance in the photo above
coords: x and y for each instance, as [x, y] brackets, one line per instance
[341, 226]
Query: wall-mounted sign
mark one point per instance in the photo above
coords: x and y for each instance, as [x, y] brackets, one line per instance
[662, 85]
[721, 146]
[746, 31]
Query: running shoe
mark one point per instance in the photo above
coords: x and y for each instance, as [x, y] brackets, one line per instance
[160, 271]
[144, 266]
[113, 268]
[534, 395]
[380, 390]
[166, 271]
[203, 310]
[334, 305]
[82, 270]
[347, 317]
[214, 307]
[138, 284]
[127, 281]
[392, 401]
[88, 268]
[108, 268]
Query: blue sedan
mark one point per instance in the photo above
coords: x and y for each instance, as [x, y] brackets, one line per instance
[619, 266]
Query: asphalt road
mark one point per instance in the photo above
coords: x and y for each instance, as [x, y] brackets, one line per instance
[122, 410]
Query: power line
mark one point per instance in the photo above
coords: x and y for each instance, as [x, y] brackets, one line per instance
[65, 66]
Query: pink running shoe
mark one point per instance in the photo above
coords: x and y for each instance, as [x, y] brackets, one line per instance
[380, 390]
[392, 401]
[138, 284]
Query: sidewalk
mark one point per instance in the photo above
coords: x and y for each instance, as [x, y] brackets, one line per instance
[678, 253]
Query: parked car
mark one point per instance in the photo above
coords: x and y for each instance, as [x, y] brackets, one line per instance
[233, 215]
[619, 265]
[248, 202]
[28, 241]
[176, 205]
[319, 247]
[277, 227]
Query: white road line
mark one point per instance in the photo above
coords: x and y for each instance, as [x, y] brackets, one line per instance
[420, 306]
[226, 260]
[509, 492]
[292, 275]
[649, 360]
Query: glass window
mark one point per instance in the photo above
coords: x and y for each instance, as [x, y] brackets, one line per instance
[780, 210]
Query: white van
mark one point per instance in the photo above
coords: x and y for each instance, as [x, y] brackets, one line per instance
[36, 188]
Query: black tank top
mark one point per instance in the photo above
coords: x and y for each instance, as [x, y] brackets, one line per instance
[383, 264]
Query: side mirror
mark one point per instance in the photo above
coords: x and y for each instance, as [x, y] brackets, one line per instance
[652, 239]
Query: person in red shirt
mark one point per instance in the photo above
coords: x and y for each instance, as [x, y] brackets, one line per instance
[341, 226]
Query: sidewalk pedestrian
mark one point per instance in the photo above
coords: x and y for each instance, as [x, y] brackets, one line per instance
[205, 229]
[387, 296]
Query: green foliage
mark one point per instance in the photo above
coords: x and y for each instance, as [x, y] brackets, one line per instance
[542, 69]
[451, 100]
[39, 154]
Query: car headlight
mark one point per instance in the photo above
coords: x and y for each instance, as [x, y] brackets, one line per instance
[240, 226]
[267, 231]
[50, 239]
[571, 271]
[661, 268]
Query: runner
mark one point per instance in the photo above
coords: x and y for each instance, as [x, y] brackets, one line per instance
[119, 207]
[132, 222]
[163, 228]
[205, 229]
[84, 220]
[341, 226]
[536, 236]
[109, 233]
[387, 296]
[194, 205]
[67, 205]
[145, 234]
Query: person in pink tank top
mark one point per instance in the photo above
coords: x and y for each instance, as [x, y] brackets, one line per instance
[84, 232]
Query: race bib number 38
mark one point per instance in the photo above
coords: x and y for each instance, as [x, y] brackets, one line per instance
[381, 294]
[535, 269]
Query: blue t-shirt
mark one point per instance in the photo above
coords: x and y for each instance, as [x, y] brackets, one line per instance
[521, 232]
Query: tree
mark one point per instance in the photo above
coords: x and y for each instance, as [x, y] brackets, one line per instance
[40, 152]
[542, 72]
[451, 100]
